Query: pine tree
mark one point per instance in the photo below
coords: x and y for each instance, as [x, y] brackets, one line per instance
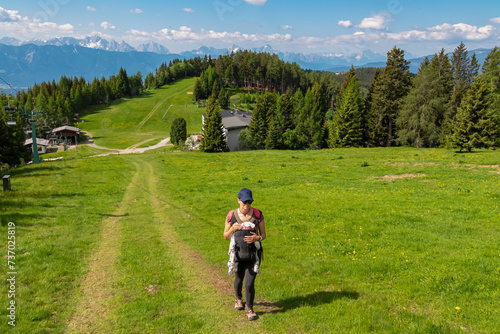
[178, 131]
[287, 111]
[12, 150]
[347, 80]
[387, 97]
[347, 130]
[260, 119]
[5, 141]
[423, 109]
[122, 84]
[491, 72]
[374, 130]
[198, 91]
[223, 99]
[474, 125]
[213, 139]
[310, 129]
[491, 69]
[396, 83]
[463, 71]
[216, 89]
[272, 139]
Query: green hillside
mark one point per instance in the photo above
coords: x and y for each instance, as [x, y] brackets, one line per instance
[128, 122]
[387, 240]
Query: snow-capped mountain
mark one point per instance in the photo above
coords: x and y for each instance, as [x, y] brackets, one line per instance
[92, 42]
[152, 47]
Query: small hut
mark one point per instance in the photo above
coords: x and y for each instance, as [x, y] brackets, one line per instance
[41, 144]
[67, 132]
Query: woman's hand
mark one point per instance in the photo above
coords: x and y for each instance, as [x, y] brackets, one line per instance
[236, 227]
[250, 239]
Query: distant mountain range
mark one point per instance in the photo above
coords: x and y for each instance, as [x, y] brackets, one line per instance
[24, 63]
[91, 42]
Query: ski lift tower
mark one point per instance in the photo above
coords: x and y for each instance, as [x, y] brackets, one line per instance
[32, 114]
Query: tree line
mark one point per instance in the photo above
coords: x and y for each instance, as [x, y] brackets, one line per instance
[451, 102]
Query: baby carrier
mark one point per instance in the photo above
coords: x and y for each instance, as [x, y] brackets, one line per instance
[245, 251]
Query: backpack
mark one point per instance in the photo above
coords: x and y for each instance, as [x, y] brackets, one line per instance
[245, 251]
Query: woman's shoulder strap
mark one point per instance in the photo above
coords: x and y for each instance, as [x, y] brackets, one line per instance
[257, 213]
[231, 217]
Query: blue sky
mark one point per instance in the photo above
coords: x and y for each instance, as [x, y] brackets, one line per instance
[314, 26]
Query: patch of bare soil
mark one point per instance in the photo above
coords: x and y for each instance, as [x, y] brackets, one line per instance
[402, 164]
[424, 164]
[392, 163]
[390, 178]
[476, 167]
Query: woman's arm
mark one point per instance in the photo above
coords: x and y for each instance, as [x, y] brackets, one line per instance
[230, 229]
[262, 229]
[254, 237]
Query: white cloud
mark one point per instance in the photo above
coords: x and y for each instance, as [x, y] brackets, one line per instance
[107, 25]
[187, 34]
[256, 2]
[91, 9]
[375, 22]
[188, 10]
[286, 26]
[445, 32]
[10, 16]
[495, 20]
[91, 24]
[136, 11]
[11, 23]
[346, 24]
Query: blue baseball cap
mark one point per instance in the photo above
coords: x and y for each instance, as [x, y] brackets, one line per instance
[245, 195]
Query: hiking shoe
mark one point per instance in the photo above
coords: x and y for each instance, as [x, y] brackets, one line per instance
[238, 305]
[250, 314]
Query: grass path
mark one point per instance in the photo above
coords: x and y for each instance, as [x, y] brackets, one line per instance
[96, 287]
[143, 277]
[157, 106]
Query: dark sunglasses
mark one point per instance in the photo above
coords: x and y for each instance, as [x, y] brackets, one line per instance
[247, 202]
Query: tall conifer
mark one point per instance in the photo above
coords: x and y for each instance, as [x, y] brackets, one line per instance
[422, 111]
[474, 126]
[213, 139]
[387, 96]
[347, 129]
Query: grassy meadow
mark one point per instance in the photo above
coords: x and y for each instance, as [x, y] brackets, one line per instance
[146, 119]
[383, 240]
[393, 240]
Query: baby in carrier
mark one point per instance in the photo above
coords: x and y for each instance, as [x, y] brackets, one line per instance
[233, 263]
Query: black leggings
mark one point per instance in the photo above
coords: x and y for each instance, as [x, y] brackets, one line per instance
[245, 270]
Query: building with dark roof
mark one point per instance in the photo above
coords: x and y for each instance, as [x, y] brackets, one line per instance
[67, 132]
[233, 122]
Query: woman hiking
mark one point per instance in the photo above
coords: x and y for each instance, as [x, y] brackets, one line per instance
[245, 250]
